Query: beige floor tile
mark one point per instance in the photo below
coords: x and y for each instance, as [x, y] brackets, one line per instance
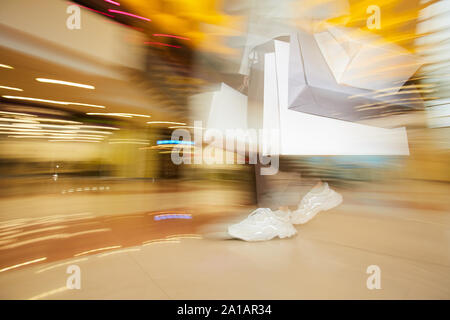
[111, 277]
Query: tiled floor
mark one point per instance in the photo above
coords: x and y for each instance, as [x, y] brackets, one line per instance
[403, 230]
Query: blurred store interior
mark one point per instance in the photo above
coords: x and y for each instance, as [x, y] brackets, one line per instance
[91, 92]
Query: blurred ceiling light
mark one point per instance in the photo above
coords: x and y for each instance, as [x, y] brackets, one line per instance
[74, 136]
[45, 131]
[162, 142]
[19, 133]
[18, 120]
[136, 115]
[36, 130]
[20, 126]
[93, 131]
[5, 66]
[140, 140]
[86, 105]
[112, 114]
[113, 2]
[56, 126]
[52, 101]
[30, 135]
[129, 14]
[10, 88]
[89, 137]
[185, 127]
[119, 114]
[167, 122]
[23, 125]
[66, 83]
[74, 140]
[99, 127]
[170, 36]
[58, 120]
[162, 44]
[77, 135]
[18, 113]
[35, 99]
[43, 135]
[129, 142]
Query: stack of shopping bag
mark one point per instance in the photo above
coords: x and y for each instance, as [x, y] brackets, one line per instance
[314, 88]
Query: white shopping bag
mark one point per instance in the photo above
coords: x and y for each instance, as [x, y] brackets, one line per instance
[361, 59]
[223, 108]
[306, 134]
[223, 116]
[269, 19]
[313, 87]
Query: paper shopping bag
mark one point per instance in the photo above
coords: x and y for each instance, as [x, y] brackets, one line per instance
[363, 60]
[302, 133]
[313, 87]
[223, 108]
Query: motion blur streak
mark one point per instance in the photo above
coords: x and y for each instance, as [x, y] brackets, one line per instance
[116, 154]
[166, 122]
[96, 250]
[118, 251]
[66, 83]
[52, 101]
[5, 66]
[129, 14]
[50, 237]
[23, 264]
[113, 2]
[162, 44]
[49, 293]
[159, 241]
[61, 265]
[170, 36]
[10, 88]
